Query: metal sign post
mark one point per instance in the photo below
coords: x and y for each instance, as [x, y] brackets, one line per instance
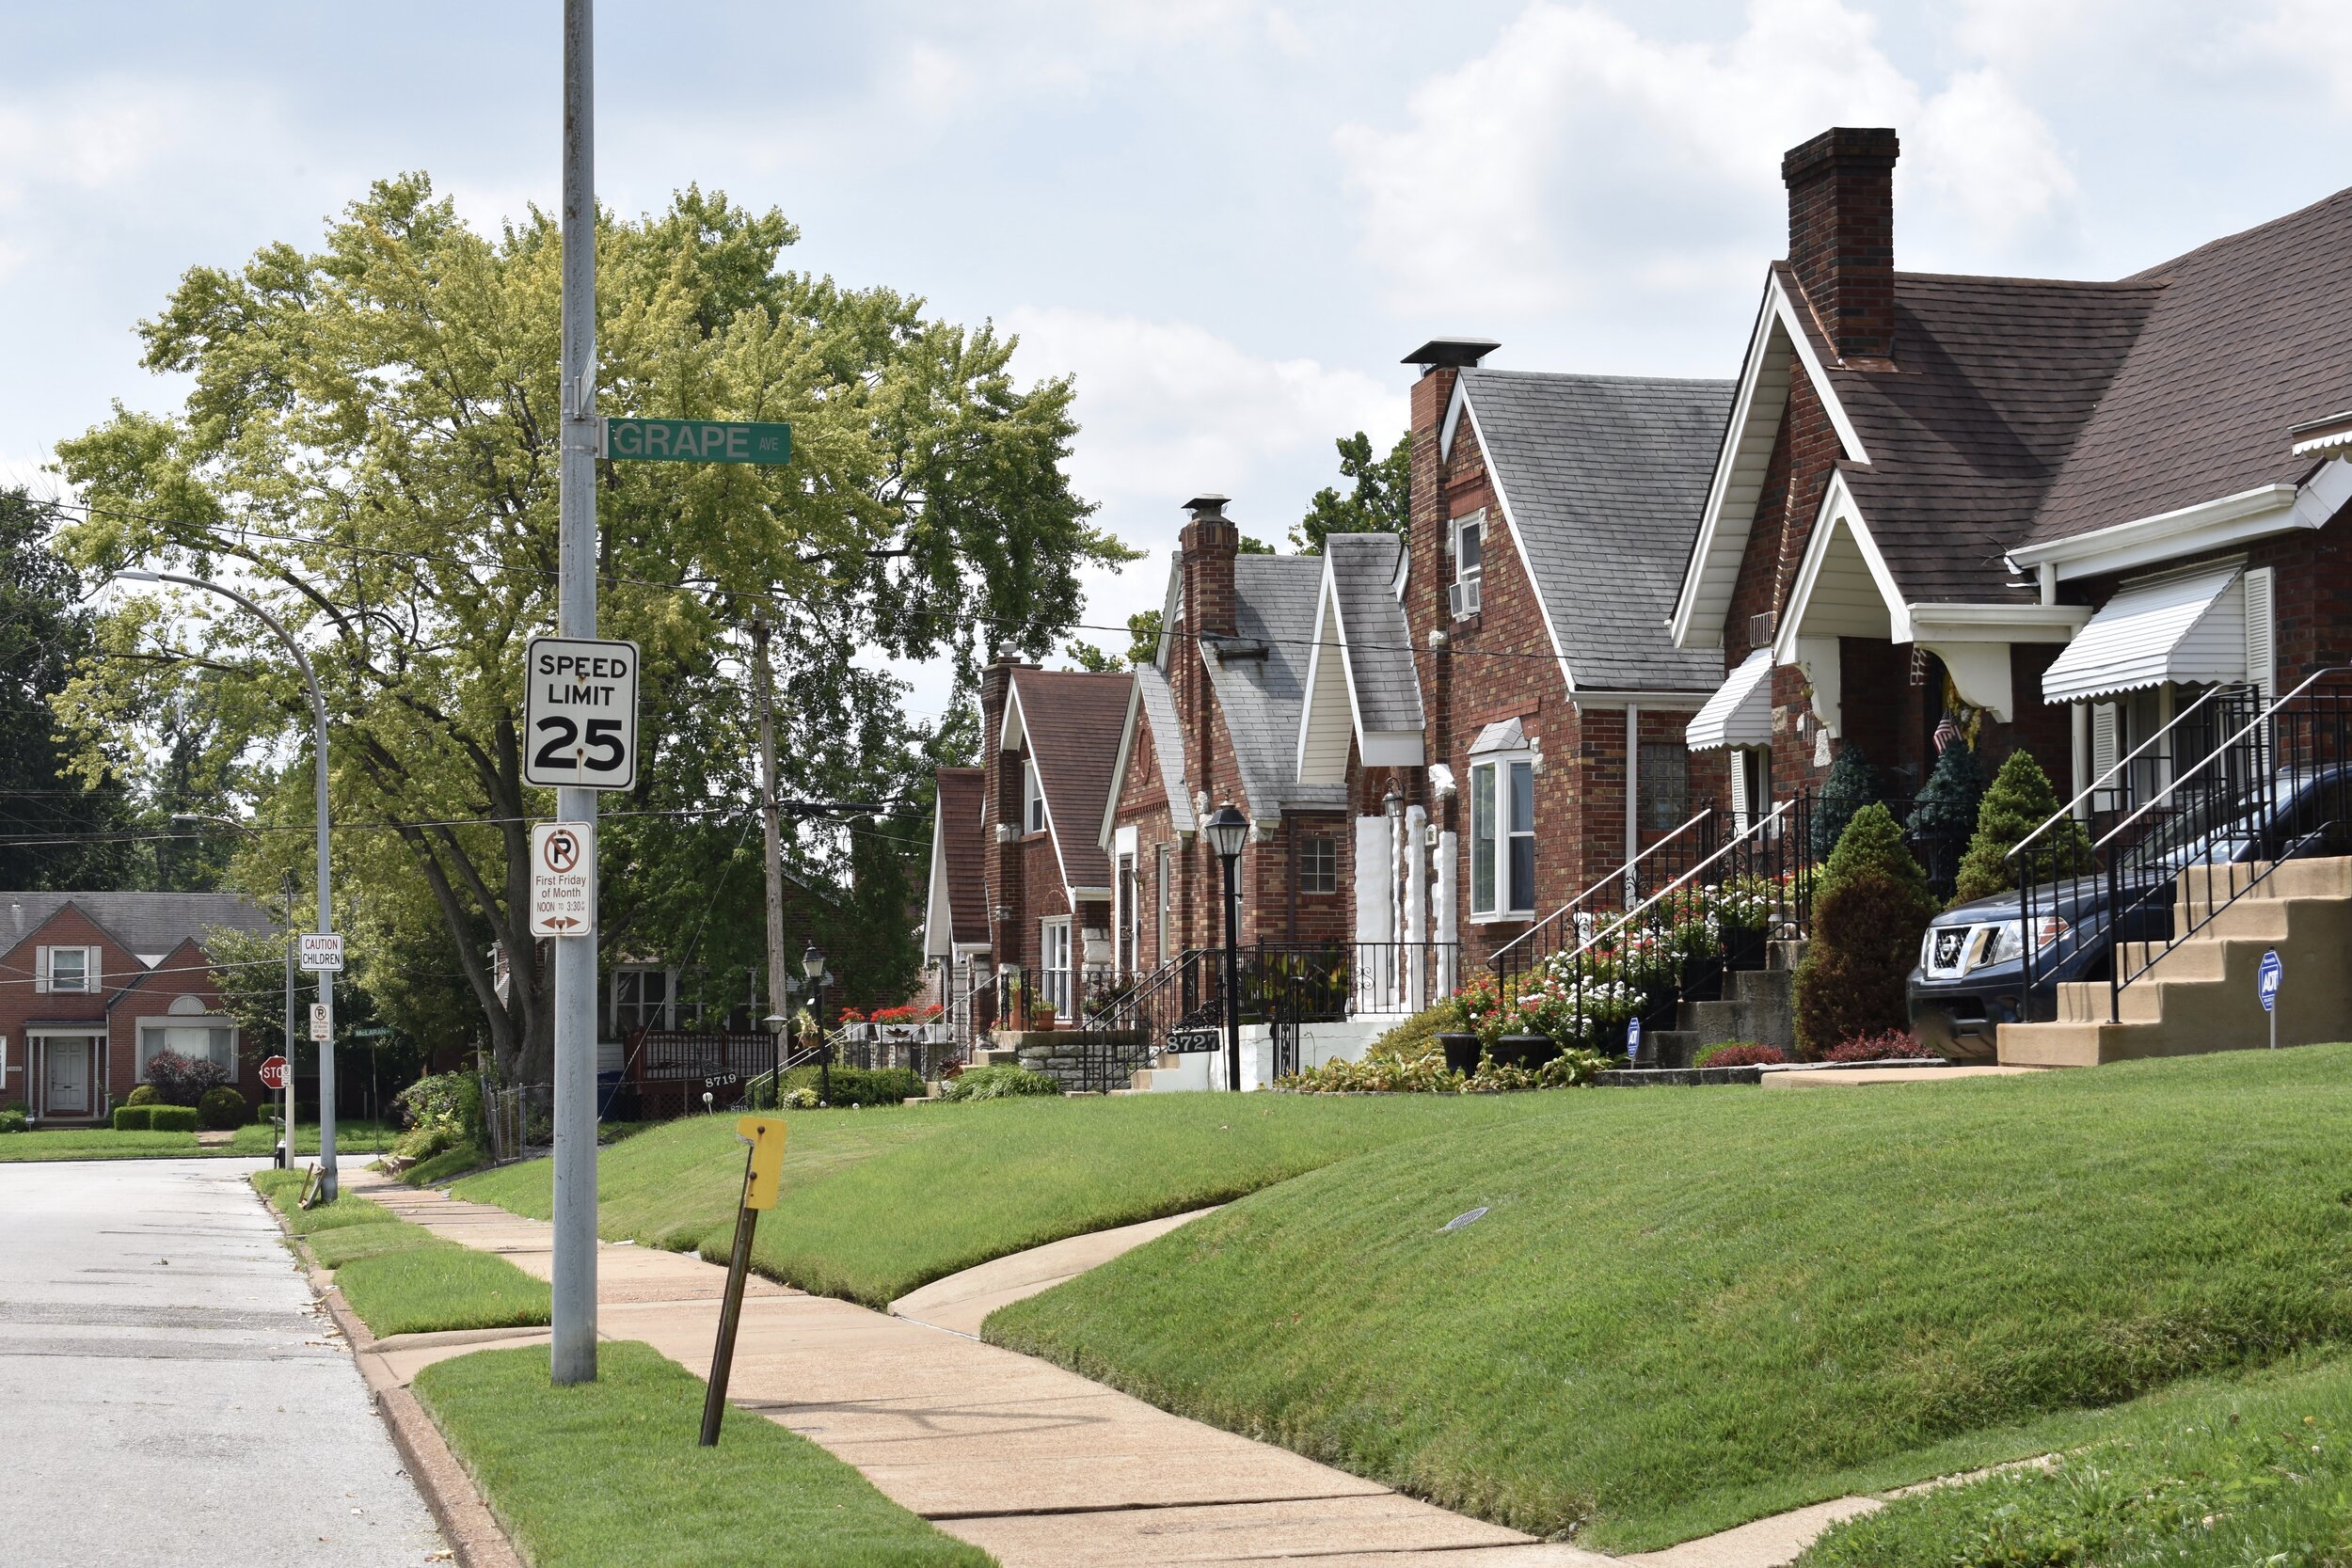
[2266, 983]
[562, 879]
[763, 1170]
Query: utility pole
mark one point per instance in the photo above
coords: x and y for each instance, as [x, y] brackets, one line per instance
[572, 1353]
[286, 1124]
[763, 692]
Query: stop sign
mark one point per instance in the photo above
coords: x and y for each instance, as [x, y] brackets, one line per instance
[273, 1072]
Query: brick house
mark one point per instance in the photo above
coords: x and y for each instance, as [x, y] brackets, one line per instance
[1019, 883]
[93, 984]
[1551, 518]
[2048, 509]
[1213, 719]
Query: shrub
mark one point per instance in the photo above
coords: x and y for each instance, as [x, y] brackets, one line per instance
[1420, 1032]
[1945, 806]
[11, 1120]
[857, 1086]
[144, 1095]
[1421, 1069]
[1001, 1082]
[801, 1098]
[1852, 784]
[171, 1119]
[2019, 800]
[134, 1118]
[222, 1109]
[1742, 1054]
[180, 1080]
[1871, 907]
[1892, 1044]
[445, 1102]
[422, 1143]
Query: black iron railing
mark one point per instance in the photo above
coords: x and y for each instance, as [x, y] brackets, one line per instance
[2189, 823]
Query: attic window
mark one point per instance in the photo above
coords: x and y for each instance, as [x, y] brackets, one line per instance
[1468, 563]
[1032, 799]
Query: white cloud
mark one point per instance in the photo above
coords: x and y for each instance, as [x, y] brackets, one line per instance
[1577, 155]
[2313, 36]
[102, 135]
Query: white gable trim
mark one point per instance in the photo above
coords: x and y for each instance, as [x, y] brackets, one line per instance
[1779, 336]
[1320, 733]
[1840, 517]
[939, 918]
[1454, 403]
[1118, 769]
[1527, 569]
[2218, 524]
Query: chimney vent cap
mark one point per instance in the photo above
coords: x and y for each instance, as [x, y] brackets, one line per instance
[1207, 504]
[1451, 354]
[1867, 144]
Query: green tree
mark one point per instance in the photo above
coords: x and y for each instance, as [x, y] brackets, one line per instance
[1945, 811]
[2019, 800]
[1379, 499]
[61, 827]
[1870, 908]
[1256, 547]
[1085, 656]
[1143, 636]
[1852, 784]
[368, 442]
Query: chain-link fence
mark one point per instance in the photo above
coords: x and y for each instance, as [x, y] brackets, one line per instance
[519, 1121]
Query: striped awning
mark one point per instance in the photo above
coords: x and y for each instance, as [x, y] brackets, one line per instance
[1741, 711]
[2188, 627]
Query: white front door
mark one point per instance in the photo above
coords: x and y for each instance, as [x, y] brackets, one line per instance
[68, 1077]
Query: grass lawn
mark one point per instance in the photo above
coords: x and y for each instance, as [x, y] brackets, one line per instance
[98, 1143]
[354, 1136]
[400, 1278]
[879, 1202]
[2254, 1473]
[608, 1474]
[1686, 1308]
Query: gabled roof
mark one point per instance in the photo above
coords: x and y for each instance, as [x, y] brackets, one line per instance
[956, 910]
[1602, 480]
[2249, 336]
[1360, 684]
[1260, 680]
[148, 925]
[186, 955]
[1068, 717]
[1152, 705]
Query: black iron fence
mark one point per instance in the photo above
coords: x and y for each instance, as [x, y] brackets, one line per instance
[2181, 828]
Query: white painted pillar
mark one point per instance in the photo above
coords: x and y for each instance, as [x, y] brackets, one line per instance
[1415, 956]
[1441, 906]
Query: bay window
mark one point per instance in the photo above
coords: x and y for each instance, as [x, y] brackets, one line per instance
[199, 1039]
[1053, 961]
[1502, 837]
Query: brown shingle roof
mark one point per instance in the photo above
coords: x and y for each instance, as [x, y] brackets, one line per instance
[964, 844]
[1074, 719]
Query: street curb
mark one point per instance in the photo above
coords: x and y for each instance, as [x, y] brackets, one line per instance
[466, 1522]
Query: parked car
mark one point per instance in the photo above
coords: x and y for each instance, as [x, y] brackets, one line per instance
[1971, 974]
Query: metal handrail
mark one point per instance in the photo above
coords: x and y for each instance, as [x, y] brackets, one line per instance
[2249, 728]
[2066, 812]
[1624, 920]
[1570, 907]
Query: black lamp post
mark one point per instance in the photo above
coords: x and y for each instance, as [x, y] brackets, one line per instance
[813, 966]
[1228, 830]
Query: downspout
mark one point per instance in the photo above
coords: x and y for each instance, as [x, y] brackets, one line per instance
[1632, 781]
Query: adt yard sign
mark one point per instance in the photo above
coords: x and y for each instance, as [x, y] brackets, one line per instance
[697, 441]
[2267, 982]
[322, 951]
[579, 713]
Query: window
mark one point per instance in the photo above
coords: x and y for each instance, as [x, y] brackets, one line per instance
[1750, 785]
[1502, 837]
[641, 1000]
[1469, 542]
[1032, 799]
[67, 969]
[1128, 914]
[199, 1039]
[1167, 907]
[1664, 786]
[1053, 948]
[1319, 863]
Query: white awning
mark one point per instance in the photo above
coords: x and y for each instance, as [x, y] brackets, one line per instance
[1741, 711]
[2187, 625]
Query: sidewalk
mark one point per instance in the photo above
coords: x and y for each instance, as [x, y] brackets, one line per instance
[1036, 1465]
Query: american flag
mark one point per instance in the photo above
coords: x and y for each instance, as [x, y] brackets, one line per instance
[1945, 733]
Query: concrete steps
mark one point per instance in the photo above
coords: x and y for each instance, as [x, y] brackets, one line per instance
[1761, 1006]
[2200, 996]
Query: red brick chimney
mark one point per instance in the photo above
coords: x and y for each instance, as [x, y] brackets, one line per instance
[1209, 542]
[1841, 235]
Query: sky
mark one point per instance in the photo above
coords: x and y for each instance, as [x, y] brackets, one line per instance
[1227, 220]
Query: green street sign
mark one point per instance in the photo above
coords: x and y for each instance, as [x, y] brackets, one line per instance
[697, 441]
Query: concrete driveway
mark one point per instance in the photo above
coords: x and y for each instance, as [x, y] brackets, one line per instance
[171, 1393]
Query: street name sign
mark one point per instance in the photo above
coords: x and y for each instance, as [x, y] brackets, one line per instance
[562, 879]
[274, 1073]
[579, 713]
[322, 951]
[695, 441]
[321, 1020]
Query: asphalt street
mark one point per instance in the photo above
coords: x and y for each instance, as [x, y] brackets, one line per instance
[172, 1396]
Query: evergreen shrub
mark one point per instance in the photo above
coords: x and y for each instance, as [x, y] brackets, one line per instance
[1852, 784]
[1870, 908]
[2019, 800]
[134, 1118]
[1742, 1054]
[11, 1120]
[171, 1119]
[222, 1110]
[1002, 1082]
[145, 1094]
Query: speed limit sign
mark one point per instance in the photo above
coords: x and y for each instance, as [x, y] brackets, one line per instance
[579, 713]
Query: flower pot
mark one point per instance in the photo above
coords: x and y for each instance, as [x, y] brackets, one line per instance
[1527, 1050]
[1461, 1052]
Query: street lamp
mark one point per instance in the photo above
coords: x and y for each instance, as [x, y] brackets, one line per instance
[285, 1158]
[812, 965]
[329, 1186]
[1228, 830]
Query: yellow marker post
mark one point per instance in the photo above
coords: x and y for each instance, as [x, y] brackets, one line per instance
[763, 1173]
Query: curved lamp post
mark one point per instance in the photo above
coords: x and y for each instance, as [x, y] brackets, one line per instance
[1228, 830]
[812, 965]
[329, 1183]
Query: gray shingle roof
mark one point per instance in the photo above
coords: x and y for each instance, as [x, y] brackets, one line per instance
[1167, 743]
[150, 923]
[1261, 693]
[1379, 641]
[1604, 478]
[1072, 719]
